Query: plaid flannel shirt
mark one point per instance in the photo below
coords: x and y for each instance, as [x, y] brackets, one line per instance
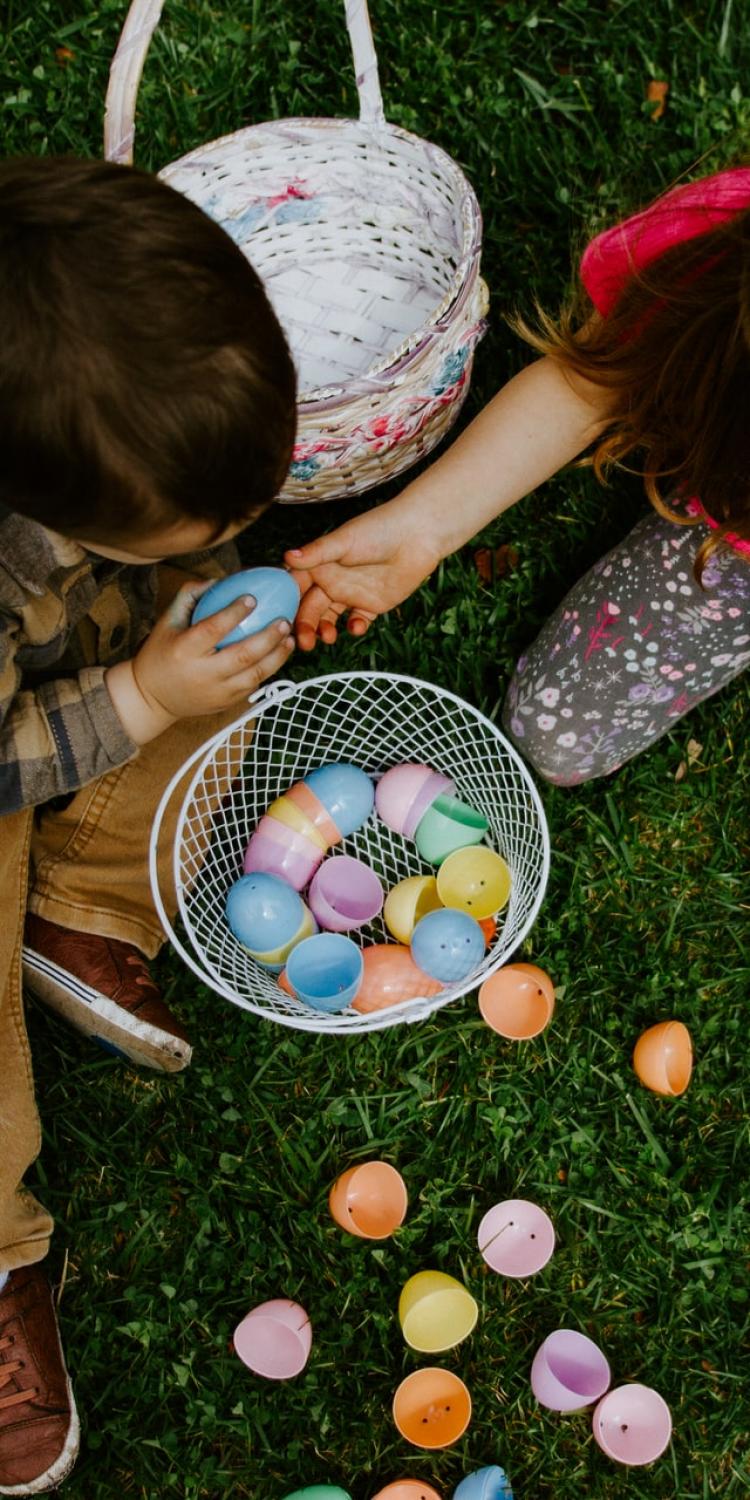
[65, 616]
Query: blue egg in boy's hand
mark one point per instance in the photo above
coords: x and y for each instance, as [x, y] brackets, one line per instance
[275, 593]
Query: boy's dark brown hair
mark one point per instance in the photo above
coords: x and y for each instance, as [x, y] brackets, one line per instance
[144, 377]
[675, 355]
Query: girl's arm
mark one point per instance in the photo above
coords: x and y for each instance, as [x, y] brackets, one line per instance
[540, 421]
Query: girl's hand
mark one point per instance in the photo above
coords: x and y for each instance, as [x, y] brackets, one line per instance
[367, 566]
[178, 672]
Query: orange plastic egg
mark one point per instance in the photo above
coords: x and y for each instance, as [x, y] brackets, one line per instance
[391, 977]
[663, 1058]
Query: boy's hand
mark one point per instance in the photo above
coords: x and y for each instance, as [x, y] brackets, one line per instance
[366, 567]
[178, 672]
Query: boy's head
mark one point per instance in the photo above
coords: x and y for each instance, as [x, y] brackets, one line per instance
[147, 394]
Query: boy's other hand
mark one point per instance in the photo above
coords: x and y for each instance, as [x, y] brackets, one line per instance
[366, 567]
[178, 672]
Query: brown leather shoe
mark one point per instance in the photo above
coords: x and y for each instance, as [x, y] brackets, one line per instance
[104, 988]
[39, 1429]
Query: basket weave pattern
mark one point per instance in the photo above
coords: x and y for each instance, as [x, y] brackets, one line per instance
[368, 241]
[374, 720]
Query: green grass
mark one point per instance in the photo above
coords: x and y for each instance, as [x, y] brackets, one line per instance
[181, 1203]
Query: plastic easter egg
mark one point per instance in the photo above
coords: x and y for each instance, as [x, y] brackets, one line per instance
[391, 977]
[516, 1238]
[318, 815]
[325, 972]
[435, 1312]
[345, 894]
[320, 1492]
[347, 794]
[448, 945]
[432, 1408]
[475, 880]
[632, 1425]
[491, 1483]
[569, 1371]
[405, 792]
[267, 917]
[406, 904]
[369, 1200]
[489, 928]
[407, 1489]
[517, 1001]
[276, 849]
[663, 1058]
[275, 593]
[447, 825]
[274, 1339]
[274, 959]
[284, 810]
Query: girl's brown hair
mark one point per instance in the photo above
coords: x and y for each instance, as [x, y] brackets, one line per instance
[675, 354]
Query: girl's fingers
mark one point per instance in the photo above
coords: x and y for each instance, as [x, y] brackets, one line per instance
[315, 607]
[324, 549]
[358, 623]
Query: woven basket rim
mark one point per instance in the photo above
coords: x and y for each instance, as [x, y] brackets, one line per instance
[400, 360]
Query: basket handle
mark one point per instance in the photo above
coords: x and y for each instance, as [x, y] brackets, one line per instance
[127, 66]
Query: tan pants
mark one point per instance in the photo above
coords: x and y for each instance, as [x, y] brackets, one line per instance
[86, 868]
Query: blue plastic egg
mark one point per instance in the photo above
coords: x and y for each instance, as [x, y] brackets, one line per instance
[447, 944]
[275, 593]
[326, 971]
[491, 1483]
[347, 794]
[267, 917]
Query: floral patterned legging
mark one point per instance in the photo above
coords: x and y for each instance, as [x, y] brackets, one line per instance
[634, 646]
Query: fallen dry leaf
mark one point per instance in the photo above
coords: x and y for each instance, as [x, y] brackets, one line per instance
[498, 564]
[64, 55]
[656, 93]
[694, 751]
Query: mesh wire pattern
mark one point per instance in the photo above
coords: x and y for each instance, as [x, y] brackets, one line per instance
[374, 720]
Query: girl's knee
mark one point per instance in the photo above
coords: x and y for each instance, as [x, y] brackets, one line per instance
[555, 759]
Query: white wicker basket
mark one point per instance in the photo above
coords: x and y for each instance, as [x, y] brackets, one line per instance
[375, 720]
[368, 240]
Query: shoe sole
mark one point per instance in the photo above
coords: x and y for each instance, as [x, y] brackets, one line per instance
[62, 1466]
[102, 1020]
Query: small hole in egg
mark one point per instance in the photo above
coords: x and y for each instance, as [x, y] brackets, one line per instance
[424, 1419]
[624, 1427]
[533, 1236]
[447, 1408]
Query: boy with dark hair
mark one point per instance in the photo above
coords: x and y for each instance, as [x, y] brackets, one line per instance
[147, 404]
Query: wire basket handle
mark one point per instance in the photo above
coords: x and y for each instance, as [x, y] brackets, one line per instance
[130, 56]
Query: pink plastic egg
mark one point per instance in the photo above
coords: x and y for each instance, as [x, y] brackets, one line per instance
[405, 792]
[274, 1339]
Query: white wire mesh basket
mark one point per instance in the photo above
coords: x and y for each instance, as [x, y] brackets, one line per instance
[374, 720]
[368, 241]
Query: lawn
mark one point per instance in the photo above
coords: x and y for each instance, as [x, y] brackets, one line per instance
[182, 1203]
